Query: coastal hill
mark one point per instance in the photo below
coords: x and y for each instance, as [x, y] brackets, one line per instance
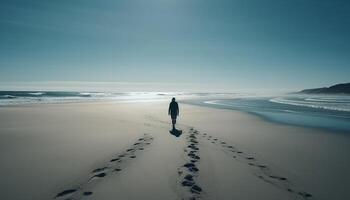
[343, 88]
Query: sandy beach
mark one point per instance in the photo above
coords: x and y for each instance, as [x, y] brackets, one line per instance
[174, 100]
[108, 150]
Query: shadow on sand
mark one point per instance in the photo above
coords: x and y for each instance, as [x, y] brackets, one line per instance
[175, 132]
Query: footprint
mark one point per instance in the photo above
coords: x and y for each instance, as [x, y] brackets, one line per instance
[196, 189]
[278, 177]
[114, 159]
[88, 193]
[193, 156]
[188, 177]
[100, 175]
[305, 194]
[99, 169]
[66, 192]
[262, 166]
[193, 169]
[188, 165]
[251, 164]
[187, 183]
[193, 146]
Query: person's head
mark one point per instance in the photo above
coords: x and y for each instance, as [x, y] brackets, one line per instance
[173, 99]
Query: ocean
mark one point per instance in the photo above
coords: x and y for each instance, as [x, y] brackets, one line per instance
[9, 98]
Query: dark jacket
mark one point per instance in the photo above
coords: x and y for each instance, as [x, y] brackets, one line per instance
[173, 109]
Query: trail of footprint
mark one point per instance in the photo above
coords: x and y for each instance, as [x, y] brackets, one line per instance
[188, 172]
[262, 171]
[112, 167]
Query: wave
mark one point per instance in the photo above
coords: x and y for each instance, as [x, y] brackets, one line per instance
[36, 93]
[95, 94]
[34, 97]
[8, 96]
[214, 102]
[326, 105]
[327, 100]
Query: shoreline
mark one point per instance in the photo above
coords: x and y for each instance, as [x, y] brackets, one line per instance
[266, 118]
[201, 104]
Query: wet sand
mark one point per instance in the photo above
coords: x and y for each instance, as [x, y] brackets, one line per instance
[126, 151]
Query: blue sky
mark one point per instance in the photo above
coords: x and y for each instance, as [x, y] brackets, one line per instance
[231, 44]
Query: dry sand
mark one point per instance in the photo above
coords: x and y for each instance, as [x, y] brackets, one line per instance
[125, 151]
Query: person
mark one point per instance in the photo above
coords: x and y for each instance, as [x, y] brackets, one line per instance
[173, 111]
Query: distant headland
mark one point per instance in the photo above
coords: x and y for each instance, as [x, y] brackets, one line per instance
[343, 88]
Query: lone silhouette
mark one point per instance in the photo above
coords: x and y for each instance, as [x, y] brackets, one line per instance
[173, 111]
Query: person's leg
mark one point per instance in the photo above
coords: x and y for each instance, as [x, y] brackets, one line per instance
[173, 118]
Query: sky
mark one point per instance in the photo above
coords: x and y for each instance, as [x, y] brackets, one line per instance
[226, 44]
